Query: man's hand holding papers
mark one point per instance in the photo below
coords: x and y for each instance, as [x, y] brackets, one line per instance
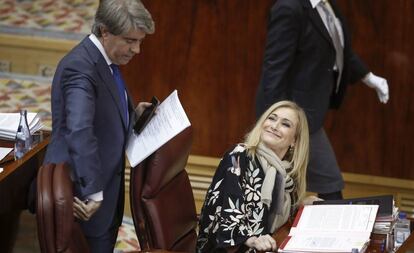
[169, 121]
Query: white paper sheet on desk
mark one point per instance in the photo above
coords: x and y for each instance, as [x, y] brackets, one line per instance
[4, 152]
[9, 123]
[170, 119]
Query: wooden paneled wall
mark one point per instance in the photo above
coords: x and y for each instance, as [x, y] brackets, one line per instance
[211, 51]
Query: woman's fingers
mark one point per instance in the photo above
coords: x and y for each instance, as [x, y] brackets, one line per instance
[265, 243]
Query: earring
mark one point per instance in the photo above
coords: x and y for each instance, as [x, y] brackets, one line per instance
[291, 149]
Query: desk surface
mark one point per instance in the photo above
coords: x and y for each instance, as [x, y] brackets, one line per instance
[15, 183]
[408, 245]
[10, 166]
[374, 247]
[17, 175]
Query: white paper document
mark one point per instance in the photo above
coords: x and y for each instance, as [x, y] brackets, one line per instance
[4, 152]
[170, 119]
[331, 228]
[9, 123]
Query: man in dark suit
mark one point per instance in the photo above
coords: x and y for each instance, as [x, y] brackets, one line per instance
[92, 116]
[309, 59]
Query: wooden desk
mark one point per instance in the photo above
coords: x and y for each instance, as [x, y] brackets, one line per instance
[408, 246]
[375, 245]
[15, 181]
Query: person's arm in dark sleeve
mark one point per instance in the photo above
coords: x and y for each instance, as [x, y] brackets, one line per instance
[79, 95]
[282, 39]
[357, 68]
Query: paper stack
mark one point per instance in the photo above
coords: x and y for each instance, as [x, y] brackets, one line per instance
[9, 123]
[387, 212]
[385, 224]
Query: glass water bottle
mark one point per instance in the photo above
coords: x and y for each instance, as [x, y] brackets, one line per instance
[23, 141]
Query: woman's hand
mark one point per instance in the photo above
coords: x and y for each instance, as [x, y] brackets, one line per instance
[310, 199]
[141, 107]
[261, 243]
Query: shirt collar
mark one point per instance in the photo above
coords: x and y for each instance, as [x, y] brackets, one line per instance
[314, 3]
[101, 49]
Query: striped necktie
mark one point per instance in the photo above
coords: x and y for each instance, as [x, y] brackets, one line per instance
[334, 33]
[121, 90]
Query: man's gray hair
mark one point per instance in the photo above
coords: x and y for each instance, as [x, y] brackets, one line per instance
[120, 16]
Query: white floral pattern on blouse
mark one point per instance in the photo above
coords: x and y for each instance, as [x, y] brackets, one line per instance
[233, 210]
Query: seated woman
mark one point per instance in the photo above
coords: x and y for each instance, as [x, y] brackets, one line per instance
[258, 185]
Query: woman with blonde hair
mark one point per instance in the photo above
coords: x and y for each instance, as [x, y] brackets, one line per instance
[258, 184]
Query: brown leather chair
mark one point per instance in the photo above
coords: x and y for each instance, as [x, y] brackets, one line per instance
[57, 229]
[162, 201]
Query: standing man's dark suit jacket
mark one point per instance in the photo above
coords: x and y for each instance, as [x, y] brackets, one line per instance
[299, 59]
[89, 131]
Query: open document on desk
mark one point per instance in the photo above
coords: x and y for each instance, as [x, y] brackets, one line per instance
[170, 119]
[331, 228]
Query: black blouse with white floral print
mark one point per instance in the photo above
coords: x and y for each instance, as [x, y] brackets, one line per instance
[233, 210]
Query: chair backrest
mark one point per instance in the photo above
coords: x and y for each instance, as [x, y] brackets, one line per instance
[57, 229]
[162, 201]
